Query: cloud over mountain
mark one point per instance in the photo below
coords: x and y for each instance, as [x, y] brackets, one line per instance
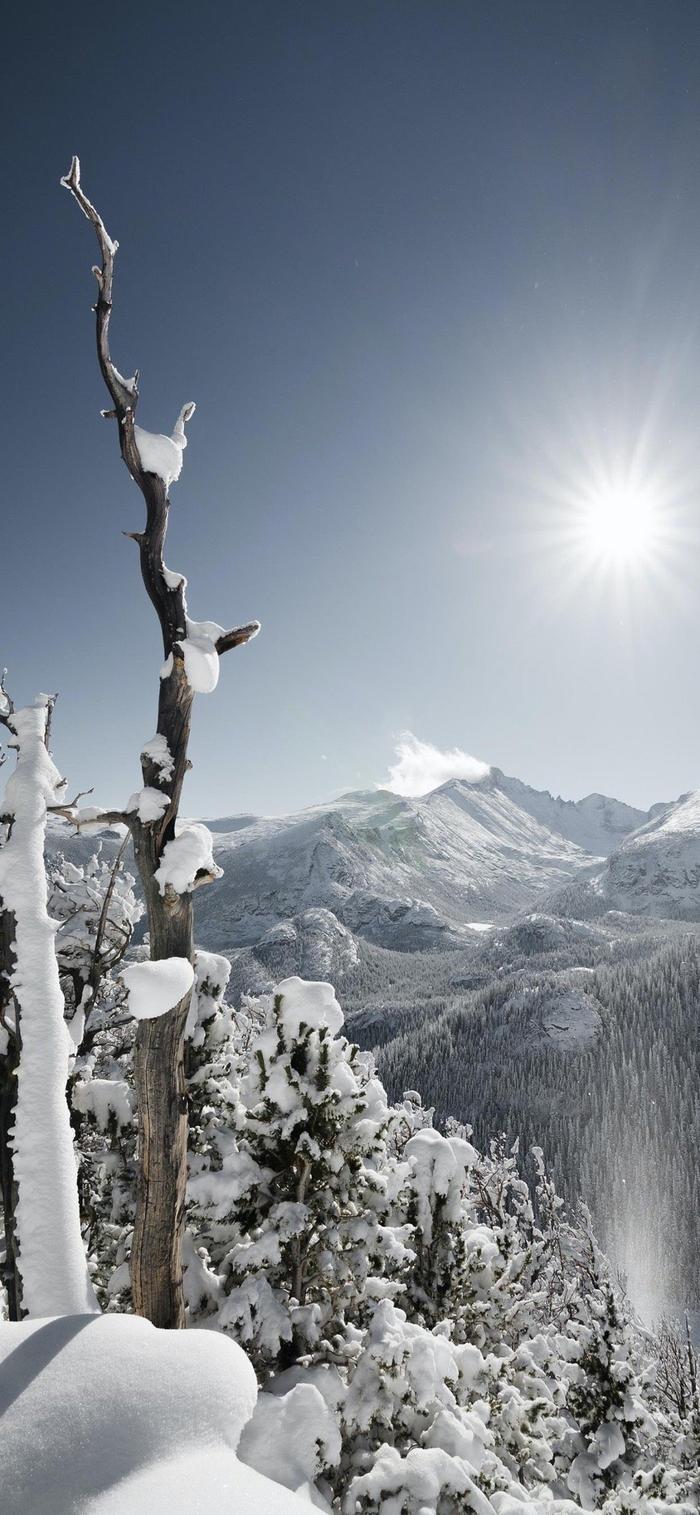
[420, 767]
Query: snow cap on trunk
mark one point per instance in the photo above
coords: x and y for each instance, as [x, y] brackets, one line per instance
[155, 988]
[187, 857]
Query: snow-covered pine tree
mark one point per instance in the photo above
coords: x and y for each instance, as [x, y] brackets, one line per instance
[298, 1192]
[614, 1433]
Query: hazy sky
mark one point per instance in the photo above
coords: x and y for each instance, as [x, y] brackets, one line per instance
[428, 269]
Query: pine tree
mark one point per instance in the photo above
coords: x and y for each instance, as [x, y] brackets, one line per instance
[298, 1193]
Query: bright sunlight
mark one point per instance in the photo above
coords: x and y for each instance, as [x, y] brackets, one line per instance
[620, 525]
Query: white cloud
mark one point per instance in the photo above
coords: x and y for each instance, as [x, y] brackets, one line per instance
[420, 767]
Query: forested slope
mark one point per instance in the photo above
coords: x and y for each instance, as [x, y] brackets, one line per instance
[616, 1107]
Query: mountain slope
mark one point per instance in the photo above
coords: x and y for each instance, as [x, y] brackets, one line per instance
[595, 823]
[654, 872]
[405, 873]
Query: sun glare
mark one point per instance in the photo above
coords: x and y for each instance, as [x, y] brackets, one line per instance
[620, 526]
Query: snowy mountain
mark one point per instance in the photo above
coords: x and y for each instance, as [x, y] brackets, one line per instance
[399, 872]
[596, 823]
[425, 873]
[654, 872]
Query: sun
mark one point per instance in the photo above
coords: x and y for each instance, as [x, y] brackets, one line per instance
[620, 525]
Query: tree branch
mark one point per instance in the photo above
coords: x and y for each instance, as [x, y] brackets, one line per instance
[238, 637]
[104, 818]
[96, 968]
[124, 392]
[70, 804]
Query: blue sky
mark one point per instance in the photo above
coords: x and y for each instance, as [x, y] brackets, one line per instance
[427, 269]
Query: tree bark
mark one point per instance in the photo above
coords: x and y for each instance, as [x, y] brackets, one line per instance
[156, 1272]
[156, 1269]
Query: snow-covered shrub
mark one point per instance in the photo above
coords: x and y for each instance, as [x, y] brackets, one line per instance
[97, 908]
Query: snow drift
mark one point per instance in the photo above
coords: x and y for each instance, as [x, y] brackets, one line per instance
[104, 1414]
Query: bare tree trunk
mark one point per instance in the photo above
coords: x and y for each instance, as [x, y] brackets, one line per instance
[159, 1068]
[156, 1269]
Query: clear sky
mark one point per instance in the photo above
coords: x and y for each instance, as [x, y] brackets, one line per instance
[430, 271]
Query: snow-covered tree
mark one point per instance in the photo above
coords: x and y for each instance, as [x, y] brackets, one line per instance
[172, 862]
[45, 1265]
[296, 1189]
[97, 909]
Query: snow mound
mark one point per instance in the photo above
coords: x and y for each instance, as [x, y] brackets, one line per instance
[293, 1439]
[309, 1004]
[104, 1414]
[154, 988]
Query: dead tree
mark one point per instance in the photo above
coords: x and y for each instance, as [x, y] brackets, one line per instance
[156, 1275]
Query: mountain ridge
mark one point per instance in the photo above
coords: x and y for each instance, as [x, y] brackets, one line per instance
[408, 872]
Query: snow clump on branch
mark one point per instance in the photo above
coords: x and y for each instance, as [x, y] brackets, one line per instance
[163, 455]
[200, 655]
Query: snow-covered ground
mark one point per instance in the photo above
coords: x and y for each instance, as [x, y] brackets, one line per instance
[104, 1415]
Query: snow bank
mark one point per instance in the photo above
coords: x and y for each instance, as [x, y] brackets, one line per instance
[104, 1415]
[309, 1004]
[293, 1439]
[185, 857]
[154, 988]
[53, 1266]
